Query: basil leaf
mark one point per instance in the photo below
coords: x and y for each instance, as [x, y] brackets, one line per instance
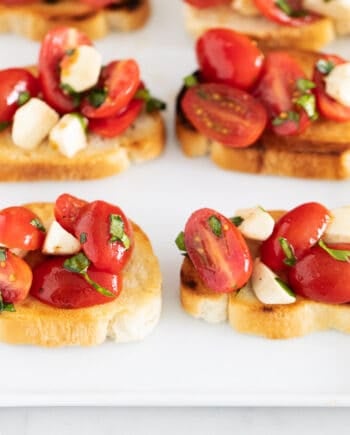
[152, 103]
[288, 250]
[191, 81]
[76, 97]
[337, 254]
[180, 241]
[83, 238]
[4, 125]
[3, 254]
[237, 220]
[286, 116]
[305, 85]
[37, 224]
[117, 231]
[5, 306]
[215, 225]
[324, 66]
[97, 97]
[285, 287]
[308, 103]
[23, 98]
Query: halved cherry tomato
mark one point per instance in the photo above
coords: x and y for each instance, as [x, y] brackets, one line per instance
[328, 106]
[218, 251]
[228, 57]
[201, 4]
[21, 228]
[120, 80]
[117, 124]
[55, 46]
[223, 113]
[293, 15]
[320, 277]
[56, 286]
[67, 210]
[302, 228]
[15, 277]
[14, 84]
[107, 248]
[277, 90]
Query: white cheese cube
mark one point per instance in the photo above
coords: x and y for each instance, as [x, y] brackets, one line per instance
[338, 229]
[257, 223]
[58, 241]
[338, 83]
[69, 135]
[267, 286]
[32, 123]
[245, 7]
[81, 69]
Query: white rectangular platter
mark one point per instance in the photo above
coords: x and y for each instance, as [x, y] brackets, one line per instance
[184, 362]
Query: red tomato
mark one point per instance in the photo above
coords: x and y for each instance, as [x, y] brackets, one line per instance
[201, 4]
[225, 114]
[225, 56]
[121, 80]
[14, 82]
[276, 90]
[15, 277]
[319, 277]
[67, 210]
[21, 228]
[56, 286]
[53, 49]
[95, 226]
[100, 3]
[328, 106]
[297, 16]
[218, 251]
[302, 227]
[117, 124]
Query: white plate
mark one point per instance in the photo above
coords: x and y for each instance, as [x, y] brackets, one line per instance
[184, 362]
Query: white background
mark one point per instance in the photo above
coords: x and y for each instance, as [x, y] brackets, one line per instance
[185, 362]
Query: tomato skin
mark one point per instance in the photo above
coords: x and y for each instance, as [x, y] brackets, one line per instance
[276, 90]
[271, 11]
[95, 223]
[228, 57]
[225, 114]
[60, 288]
[15, 278]
[13, 82]
[202, 4]
[328, 106]
[17, 231]
[67, 210]
[122, 80]
[223, 263]
[302, 227]
[319, 277]
[53, 49]
[117, 124]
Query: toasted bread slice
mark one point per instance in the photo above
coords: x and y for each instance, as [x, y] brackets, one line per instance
[312, 36]
[322, 151]
[130, 317]
[35, 20]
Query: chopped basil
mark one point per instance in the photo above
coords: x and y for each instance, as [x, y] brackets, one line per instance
[180, 241]
[83, 238]
[37, 224]
[3, 254]
[288, 250]
[5, 306]
[152, 103]
[305, 85]
[23, 98]
[285, 286]
[284, 6]
[337, 254]
[324, 66]
[215, 225]
[76, 97]
[308, 103]
[237, 220]
[286, 116]
[191, 81]
[117, 232]
[97, 97]
[4, 125]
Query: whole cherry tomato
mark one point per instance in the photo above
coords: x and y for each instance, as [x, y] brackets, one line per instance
[15, 277]
[54, 285]
[228, 57]
[106, 236]
[21, 228]
[292, 13]
[54, 48]
[218, 251]
[67, 210]
[118, 84]
[17, 85]
[225, 114]
[294, 234]
[320, 277]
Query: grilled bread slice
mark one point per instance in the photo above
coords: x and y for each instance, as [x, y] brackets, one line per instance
[130, 317]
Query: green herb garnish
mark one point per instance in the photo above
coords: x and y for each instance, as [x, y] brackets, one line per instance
[285, 287]
[215, 225]
[324, 66]
[4, 125]
[76, 97]
[117, 231]
[5, 306]
[305, 85]
[152, 103]
[180, 241]
[288, 250]
[37, 224]
[23, 97]
[237, 220]
[191, 81]
[83, 238]
[97, 97]
[308, 103]
[337, 254]
[286, 116]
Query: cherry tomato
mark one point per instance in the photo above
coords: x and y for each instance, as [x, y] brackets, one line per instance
[320, 277]
[56, 286]
[100, 3]
[117, 124]
[21, 228]
[53, 49]
[121, 80]
[202, 4]
[228, 57]
[14, 84]
[302, 227]
[328, 106]
[67, 210]
[218, 251]
[15, 277]
[277, 89]
[297, 16]
[223, 113]
[107, 248]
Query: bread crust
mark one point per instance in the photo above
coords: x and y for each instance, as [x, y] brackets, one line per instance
[130, 317]
[34, 21]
